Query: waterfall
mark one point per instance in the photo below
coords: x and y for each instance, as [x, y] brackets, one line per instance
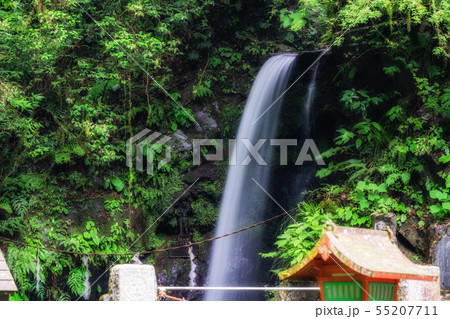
[302, 180]
[87, 284]
[192, 274]
[234, 259]
[307, 129]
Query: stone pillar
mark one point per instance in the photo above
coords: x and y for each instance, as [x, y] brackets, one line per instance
[132, 282]
[420, 290]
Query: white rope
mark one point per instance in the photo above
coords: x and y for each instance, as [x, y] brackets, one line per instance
[165, 288]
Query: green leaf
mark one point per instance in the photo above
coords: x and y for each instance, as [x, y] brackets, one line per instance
[96, 240]
[118, 184]
[6, 207]
[444, 159]
[436, 194]
[446, 206]
[405, 177]
[435, 209]
[382, 188]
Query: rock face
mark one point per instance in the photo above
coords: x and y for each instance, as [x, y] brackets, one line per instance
[419, 290]
[205, 171]
[442, 260]
[415, 236]
[132, 282]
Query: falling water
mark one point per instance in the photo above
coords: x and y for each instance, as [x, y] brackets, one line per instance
[235, 260]
[302, 180]
[192, 273]
[307, 130]
[87, 284]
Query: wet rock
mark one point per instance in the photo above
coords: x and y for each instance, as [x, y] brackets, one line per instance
[205, 171]
[84, 209]
[180, 142]
[415, 236]
[175, 272]
[207, 123]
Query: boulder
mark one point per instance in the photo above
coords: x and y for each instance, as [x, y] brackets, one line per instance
[207, 123]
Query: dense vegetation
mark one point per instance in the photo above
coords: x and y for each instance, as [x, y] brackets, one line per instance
[392, 154]
[70, 97]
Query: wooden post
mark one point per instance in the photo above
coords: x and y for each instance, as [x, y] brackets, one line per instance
[365, 289]
[322, 291]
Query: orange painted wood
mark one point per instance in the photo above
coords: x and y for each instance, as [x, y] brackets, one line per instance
[322, 291]
[365, 289]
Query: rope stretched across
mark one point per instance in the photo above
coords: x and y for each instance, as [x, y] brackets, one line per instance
[146, 251]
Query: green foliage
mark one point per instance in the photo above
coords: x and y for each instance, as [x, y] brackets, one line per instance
[359, 100]
[229, 118]
[397, 17]
[70, 98]
[391, 154]
[441, 197]
[76, 280]
[301, 235]
[205, 213]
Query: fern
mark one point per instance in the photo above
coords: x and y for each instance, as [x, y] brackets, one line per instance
[64, 297]
[20, 206]
[11, 225]
[24, 261]
[76, 280]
